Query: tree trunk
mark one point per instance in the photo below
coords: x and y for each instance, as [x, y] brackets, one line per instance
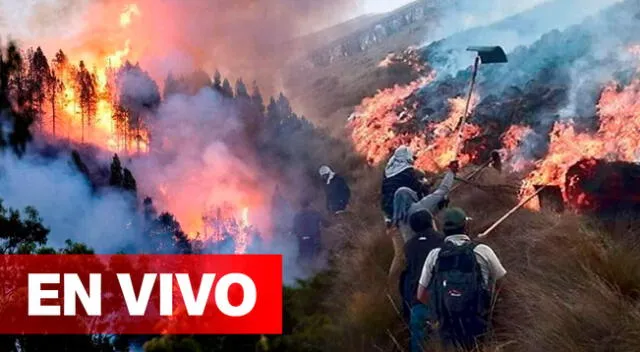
[53, 110]
[82, 123]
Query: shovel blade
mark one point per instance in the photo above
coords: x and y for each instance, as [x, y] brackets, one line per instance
[489, 54]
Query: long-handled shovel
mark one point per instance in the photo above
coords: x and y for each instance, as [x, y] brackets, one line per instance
[486, 55]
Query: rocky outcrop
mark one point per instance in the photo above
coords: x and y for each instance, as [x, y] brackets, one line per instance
[373, 34]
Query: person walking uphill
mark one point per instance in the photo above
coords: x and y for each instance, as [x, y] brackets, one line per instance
[406, 203]
[416, 250]
[458, 280]
[399, 172]
[307, 227]
[336, 190]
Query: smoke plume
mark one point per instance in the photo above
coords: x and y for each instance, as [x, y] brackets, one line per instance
[67, 204]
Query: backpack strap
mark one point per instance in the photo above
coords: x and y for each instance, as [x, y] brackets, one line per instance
[450, 249]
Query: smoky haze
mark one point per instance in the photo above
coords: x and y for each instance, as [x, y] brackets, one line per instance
[240, 37]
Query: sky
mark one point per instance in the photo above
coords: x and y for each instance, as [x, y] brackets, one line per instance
[177, 36]
[30, 19]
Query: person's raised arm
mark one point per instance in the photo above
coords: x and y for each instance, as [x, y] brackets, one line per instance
[431, 201]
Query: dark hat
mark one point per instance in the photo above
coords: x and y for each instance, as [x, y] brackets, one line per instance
[454, 218]
[420, 221]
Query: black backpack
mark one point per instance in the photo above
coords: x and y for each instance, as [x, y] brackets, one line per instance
[457, 286]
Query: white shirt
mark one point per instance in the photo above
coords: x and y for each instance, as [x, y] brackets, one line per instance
[490, 265]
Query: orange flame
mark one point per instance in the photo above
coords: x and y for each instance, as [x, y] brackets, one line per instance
[617, 138]
[227, 222]
[100, 123]
[375, 128]
[511, 141]
[191, 194]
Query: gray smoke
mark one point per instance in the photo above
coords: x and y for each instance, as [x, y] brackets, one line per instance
[65, 201]
[505, 23]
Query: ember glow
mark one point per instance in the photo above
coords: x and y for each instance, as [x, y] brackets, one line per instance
[227, 224]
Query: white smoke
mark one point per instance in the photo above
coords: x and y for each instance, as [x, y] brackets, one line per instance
[509, 24]
[64, 200]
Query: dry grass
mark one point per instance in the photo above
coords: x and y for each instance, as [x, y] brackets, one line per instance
[573, 283]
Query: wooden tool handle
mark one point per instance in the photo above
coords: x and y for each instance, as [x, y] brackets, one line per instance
[509, 213]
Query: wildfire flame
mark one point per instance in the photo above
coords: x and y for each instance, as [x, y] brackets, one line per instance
[617, 139]
[78, 116]
[226, 223]
[376, 129]
[101, 122]
[511, 141]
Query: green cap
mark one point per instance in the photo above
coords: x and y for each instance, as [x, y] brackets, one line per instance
[454, 218]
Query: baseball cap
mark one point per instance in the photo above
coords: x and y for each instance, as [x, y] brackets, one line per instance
[454, 218]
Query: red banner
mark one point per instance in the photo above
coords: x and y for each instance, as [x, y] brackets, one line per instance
[141, 294]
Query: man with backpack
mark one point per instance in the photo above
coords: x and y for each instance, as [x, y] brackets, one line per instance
[458, 281]
[416, 250]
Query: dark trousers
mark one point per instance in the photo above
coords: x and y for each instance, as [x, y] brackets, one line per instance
[308, 249]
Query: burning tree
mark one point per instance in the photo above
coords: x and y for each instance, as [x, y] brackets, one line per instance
[86, 91]
[550, 107]
[138, 96]
[39, 79]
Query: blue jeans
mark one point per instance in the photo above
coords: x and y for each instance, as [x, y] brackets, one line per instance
[418, 326]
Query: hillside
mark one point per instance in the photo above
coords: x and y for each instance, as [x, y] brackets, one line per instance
[343, 65]
[572, 282]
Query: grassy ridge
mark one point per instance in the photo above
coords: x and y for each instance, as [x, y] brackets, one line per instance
[573, 283]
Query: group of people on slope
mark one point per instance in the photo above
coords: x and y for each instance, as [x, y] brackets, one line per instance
[447, 280]
[308, 222]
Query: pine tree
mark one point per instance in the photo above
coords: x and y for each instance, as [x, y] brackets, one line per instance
[129, 182]
[241, 89]
[59, 74]
[226, 88]
[136, 101]
[272, 111]
[167, 235]
[21, 233]
[116, 177]
[60, 62]
[256, 99]
[284, 108]
[217, 83]
[13, 88]
[85, 85]
[39, 78]
[54, 88]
